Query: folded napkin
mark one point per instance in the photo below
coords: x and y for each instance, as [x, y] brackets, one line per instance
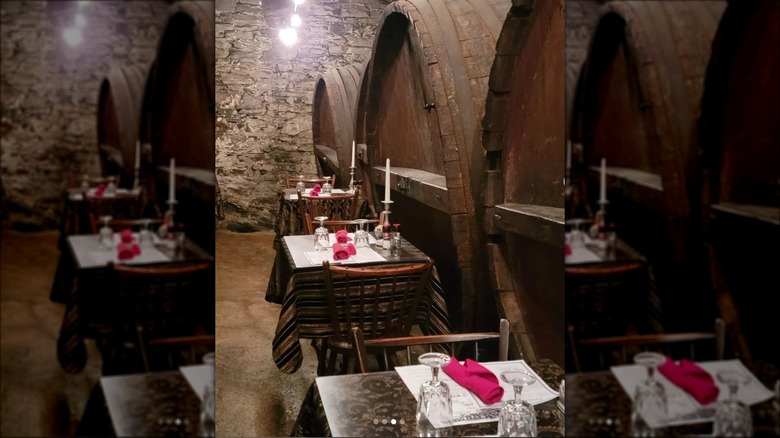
[342, 237]
[314, 192]
[340, 252]
[316, 188]
[692, 378]
[476, 378]
[127, 251]
[100, 189]
[567, 250]
[127, 236]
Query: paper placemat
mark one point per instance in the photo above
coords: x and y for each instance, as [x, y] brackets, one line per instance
[467, 408]
[363, 255]
[683, 408]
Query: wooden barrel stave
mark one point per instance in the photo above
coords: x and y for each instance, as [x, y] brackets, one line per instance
[177, 117]
[425, 121]
[523, 200]
[637, 105]
[118, 115]
[333, 118]
[740, 166]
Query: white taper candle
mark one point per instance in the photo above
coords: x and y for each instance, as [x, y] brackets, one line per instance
[387, 180]
[603, 181]
[172, 181]
[137, 155]
[353, 153]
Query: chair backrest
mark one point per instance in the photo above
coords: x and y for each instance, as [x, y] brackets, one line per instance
[606, 300]
[447, 342]
[382, 300]
[120, 206]
[603, 352]
[161, 301]
[335, 207]
[308, 181]
[162, 354]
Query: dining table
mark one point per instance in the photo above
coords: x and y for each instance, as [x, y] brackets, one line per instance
[89, 288]
[598, 405]
[381, 404]
[165, 403]
[305, 312]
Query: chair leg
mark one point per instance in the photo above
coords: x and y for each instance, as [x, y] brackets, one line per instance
[332, 363]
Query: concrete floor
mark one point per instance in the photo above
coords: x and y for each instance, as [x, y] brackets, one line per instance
[39, 399]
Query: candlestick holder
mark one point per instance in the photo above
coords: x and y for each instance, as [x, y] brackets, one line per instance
[352, 179]
[137, 180]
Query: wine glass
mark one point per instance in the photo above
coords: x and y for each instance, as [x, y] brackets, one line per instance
[732, 416]
[145, 238]
[649, 410]
[85, 183]
[327, 188]
[576, 236]
[321, 237]
[300, 186]
[106, 234]
[361, 235]
[207, 407]
[111, 186]
[434, 406]
[517, 417]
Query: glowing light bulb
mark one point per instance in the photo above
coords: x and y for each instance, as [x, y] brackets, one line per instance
[72, 36]
[295, 20]
[80, 20]
[288, 36]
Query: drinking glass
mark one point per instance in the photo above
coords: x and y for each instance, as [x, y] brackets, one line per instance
[517, 417]
[577, 238]
[732, 417]
[106, 234]
[361, 235]
[327, 188]
[321, 237]
[111, 186]
[300, 186]
[207, 407]
[145, 238]
[85, 183]
[649, 410]
[434, 406]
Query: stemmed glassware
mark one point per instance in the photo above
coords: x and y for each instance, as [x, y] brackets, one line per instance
[85, 183]
[327, 188]
[517, 417]
[361, 235]
[145, 236]
[111, 186]
[207, 409]
[106, 234]
[649, 411]
[732, 417]
[321, 235]
[577, 237]
[300, 186]
[434, 406]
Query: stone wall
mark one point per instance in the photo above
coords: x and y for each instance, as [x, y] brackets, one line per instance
[50, 92]
[264, 93]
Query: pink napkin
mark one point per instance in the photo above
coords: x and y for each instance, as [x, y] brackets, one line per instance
[127, 251]
[476, 378]
[127, 236]
[692, 378]
[342, 237]
[314, 192]
[567, 249]
[316, 188]
[340, 252]
[100, 189]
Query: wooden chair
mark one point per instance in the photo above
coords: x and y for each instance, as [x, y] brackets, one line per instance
[604, 300]
[385, 345]
[310, 182]
[170, 353]
[381, 300]
[121, 206]
[335, 207]
[600, 353]
[153, 307]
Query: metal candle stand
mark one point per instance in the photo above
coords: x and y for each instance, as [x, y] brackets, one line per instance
[384, 219]
[352, 179]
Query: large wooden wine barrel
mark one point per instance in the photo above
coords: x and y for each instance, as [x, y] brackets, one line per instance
[177, 116]
[333, 120]
[637, 101]
[740, 168]
[523, 141]
[118, 115]
[427, 83]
